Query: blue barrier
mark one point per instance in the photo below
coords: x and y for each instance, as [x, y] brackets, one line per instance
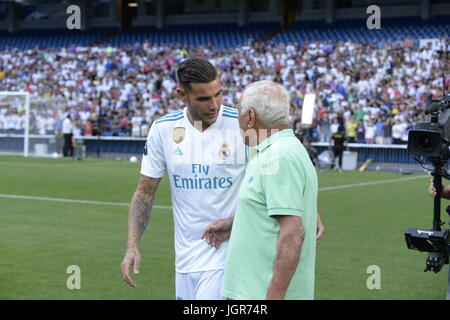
[134, 145]
[114, 145]
[375, 152]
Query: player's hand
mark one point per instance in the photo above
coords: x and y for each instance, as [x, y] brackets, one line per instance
[217, 232]
[431, 189]
[320, 230]
[132, 258]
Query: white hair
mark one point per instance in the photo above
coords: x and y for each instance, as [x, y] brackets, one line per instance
[270, 101]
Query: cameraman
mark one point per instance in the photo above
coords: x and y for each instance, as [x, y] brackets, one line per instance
[445, 191]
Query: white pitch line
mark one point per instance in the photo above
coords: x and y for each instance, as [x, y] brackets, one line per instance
[40, 165]
[362, 184]
[124, 204]
[104, 203]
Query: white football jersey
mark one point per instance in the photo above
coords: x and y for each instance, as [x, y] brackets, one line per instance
[205, 170]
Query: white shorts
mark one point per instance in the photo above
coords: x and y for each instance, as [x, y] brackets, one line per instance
[202, 285]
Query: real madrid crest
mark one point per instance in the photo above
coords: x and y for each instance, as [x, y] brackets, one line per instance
[178, 134]
[224, 152]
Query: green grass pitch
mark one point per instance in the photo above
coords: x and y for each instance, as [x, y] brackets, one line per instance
[40, 239]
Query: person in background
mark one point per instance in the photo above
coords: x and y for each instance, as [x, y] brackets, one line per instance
[370, 132]
[397, 132]
[115, 124]
[67, 129]
[360, 132]
[338, 141]
[350, 128]
[334, 126]
[323, 128]
[379, 130]
[387, 132]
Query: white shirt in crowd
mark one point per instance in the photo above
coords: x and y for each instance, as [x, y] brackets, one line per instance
[370, 132]
[67, 127]
[398, 130]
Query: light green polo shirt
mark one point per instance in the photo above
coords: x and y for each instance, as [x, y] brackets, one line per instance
[280, 180]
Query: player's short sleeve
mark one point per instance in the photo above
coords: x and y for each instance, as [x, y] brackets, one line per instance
[284, 188]
[153, 162]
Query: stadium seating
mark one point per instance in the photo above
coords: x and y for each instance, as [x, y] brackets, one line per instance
[356, 30]
[219, 35]
[230, 35]
[25, 39]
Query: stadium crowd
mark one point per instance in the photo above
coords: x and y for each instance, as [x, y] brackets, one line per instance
[377, 90]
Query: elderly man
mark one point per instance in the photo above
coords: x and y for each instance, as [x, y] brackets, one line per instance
[272, 246]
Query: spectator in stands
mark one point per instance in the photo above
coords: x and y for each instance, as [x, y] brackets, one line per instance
[359, 114]
[135, 124]
[323, 128]
[88, 128]
[360, 132]
[398, 131]
[379, 130]
[370, 132]
[387, 131]
[124, 124]
[115, 124]
[334, 125]
[394, 79]
[351, 130]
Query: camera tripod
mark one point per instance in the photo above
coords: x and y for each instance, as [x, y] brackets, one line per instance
[434, 261]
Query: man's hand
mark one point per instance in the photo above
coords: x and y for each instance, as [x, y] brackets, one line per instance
[445, 193]
[217, 232]
[320, 230]
[132, 258]
[432, 189]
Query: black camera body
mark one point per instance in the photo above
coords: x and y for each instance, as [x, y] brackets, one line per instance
[431, 140]
[432, 241]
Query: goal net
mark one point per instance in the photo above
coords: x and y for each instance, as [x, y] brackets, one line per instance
[30, 126]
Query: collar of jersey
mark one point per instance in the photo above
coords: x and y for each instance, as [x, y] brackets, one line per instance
[270, 140]
[219, 118]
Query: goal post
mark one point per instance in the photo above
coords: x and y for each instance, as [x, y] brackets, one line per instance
[29, 124]
[12, 124]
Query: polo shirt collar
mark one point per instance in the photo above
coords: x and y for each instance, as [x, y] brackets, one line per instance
[270, 140]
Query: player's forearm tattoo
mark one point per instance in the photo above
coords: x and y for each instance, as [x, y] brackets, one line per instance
[140, 210]
[139, 215]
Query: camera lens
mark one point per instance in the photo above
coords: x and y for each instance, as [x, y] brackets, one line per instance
[425, 143]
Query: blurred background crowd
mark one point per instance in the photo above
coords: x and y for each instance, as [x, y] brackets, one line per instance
[376, 90]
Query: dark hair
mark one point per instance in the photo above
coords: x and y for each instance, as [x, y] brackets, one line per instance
[195, 70]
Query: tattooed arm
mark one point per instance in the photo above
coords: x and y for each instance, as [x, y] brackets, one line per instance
[138, 216]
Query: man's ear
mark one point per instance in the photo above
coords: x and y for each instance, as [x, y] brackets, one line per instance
[182, 95]
[252, 118]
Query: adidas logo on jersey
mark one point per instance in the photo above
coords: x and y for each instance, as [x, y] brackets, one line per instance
[177, 152]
